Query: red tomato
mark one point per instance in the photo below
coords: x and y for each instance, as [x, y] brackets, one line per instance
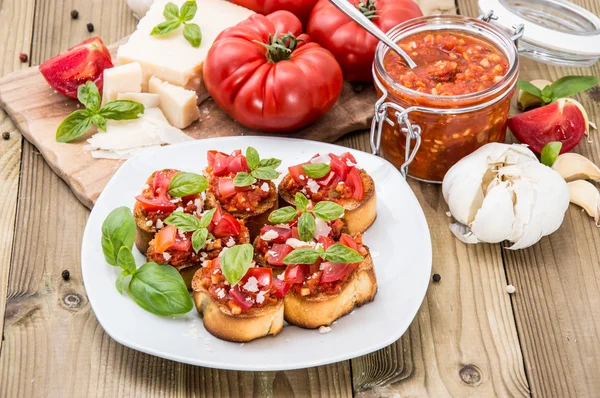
[294, 274]
[325, 181]
[298, 174]
[295, 233]
[325, 242]
[347, 240]
[271, 90]
[216, 263]
[277, 253]
[237, 164]
[227, 226]
[264, 276]
[180, 244]
[354, 181]
[226, 187]
[338, 166]
[283, 233]
[353, 46]
[165, 238]
[241, 298]
[334, 271]
[300, 8]
[347, 156]
[160, 186]
[220, 164]
[281, 288]
[72, 68]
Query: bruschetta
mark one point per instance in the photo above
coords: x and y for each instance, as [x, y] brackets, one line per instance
[239, 311]
[157, 201]
[243, 186]
[338, 179]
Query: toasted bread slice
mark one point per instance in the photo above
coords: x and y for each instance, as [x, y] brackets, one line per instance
[358, 215]
[144, 233]
[323, 309]
[241, 328]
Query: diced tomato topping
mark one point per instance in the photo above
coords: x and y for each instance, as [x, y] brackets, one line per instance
[160, 186]
[338, 166]
[347, 156]
[181, 244]
[334, 271]
[325, 242]
[237, 164]
[264, 276]
[295, 233]
[165, 238]
[294, 274]
[227, 226]
[217, 216]
[281, 288]
[354, 181]
[298, 174]
[226, 187]
[220, 163]
[347, 240]
[241, 298]
[277, 253]
[325, 181]
[283, 233]
[216, 263]
[236, 152]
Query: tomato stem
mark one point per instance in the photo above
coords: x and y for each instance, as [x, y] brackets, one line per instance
[280, 48]
[368, 9]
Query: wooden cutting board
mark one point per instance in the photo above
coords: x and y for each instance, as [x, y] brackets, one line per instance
[37, 110]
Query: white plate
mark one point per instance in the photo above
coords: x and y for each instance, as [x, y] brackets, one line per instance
[399, 242]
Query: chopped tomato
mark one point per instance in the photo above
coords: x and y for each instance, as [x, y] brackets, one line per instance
[181, 244]
[220, 163]
[217, 216]
[227, 226]
[281, 288]
[325, 242]
[161, 182]
[294, 274]
[237, 164]
[338, 166]
[264, 276]
[240, 298]
[354, 181]
[347, 240]
[160, 203]
[277, 253]
[236, 152]
[226, 187]
[283, 233]
[298, 174]
[295, 233]
[165, 238]
[216, 263]
[325, 181]
[334, 271]
[347, 156]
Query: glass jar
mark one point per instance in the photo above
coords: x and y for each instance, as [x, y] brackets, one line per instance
[433, 132]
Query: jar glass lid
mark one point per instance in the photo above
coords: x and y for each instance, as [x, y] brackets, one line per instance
[555, 31]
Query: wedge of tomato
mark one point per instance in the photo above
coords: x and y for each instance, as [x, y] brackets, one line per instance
[294, 274]
[334, 271]
[227, 226]
[241, 298]
[354, 181]
[277, 253]
[165, 238]
[160, 188]
[84, 62]
[281, 288]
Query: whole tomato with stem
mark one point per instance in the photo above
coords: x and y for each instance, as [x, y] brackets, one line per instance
[300, 8]
[269, 76]
[353, 46]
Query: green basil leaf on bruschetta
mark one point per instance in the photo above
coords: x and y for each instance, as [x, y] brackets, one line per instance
[160, 289]
[302, 256]
[243, 179]
[185, 184]
[207, 218]
[236, 261]
[126, 261]
[284, 215]
[252, 158]
[339, 253]
[271, 162]
[328, 211]
[199, 239]
[306, 227]
[118, 229]
[183, 221]
[264, 173]
[301, 201]
[316, 170]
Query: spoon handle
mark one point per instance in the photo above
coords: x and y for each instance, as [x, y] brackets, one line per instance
[351, 11]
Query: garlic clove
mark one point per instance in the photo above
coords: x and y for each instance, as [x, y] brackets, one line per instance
[494, 220]
[524, 201]
[463, 233]
[584, 194]
[572, 166]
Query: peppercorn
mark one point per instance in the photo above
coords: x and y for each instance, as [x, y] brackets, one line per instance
[6, 135]
[23, 57]
[437, 278]
[90, 27]
[66, 275]
[74, 14]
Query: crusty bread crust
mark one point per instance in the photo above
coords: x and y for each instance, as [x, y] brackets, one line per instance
[247, 326]
[144, 234]
[323, 309]
[358, 215]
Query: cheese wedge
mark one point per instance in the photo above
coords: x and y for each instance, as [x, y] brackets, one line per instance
[121, 79]
[146, 99]
[172, 58]
[177, 103]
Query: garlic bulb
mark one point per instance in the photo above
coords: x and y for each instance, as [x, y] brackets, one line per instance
[502, 192]
[139, 7]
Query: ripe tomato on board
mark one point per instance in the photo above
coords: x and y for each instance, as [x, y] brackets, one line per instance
[268, 81]
[353, 46]
[300, 8]
[84, 62]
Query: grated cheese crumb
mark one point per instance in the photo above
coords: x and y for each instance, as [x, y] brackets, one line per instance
[220, 293]
[270, 235]
[265, 187]
[324, 329]
[149, 223]
[179, 208]
[159, 224]
[251, 285]
[166, 256]
[301, 177]
[230, 242]
[260, 297]
[280, 276]
[312, 185]
[223, 251]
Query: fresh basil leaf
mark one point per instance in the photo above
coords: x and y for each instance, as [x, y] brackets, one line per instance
[192, 33]
[528, 87]
[160, 289]
[328, 211]
[89, 96]
[99, 122]
[235, 262]
[571, 85]
[188, 10]
[283, 215]
[302, 256]
[301, 201]
[118, 229]
[252, 158]
[74, 126]
[550, 152]
[185, 184]
[265, 173]
[271, 162]
[339, 253]
[306, 227]
[171, 11]
[125, 260]
[122, 110]
[207, 218]
[316, 170]
[243, 179]
[165, 27]
[121, 281]
[183, 221]
[547, 95]
[199, 239]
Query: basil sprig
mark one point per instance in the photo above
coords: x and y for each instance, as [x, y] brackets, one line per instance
[337, 253]
[325, 210]
[174, 18]
[236, 261]
[550, 152]
[158, 289]
[562, 88]
[260, 169]
[80, 121]
[184, 184]
[187, 223]
[316, 170]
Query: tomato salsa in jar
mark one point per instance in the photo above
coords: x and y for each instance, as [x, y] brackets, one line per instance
[458, 94]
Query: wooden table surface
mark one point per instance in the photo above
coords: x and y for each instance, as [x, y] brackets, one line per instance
[470, 337]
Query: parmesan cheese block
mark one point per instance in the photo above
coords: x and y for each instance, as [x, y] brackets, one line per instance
[146, 99]
[177, 103]
[172, 58]
[121, 79]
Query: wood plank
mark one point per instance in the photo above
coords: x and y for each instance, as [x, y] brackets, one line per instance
[16, 27]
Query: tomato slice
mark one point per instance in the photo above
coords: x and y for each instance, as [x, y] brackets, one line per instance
[162, 204]
[281, 288]
[347, 240]
[226, 187]
[283, 233]
[241, 298]
[165, 238]
[354, 181]
[160, 186]
[236, 152]
[338, 166]
[220, 163]
[334, 271]
[277, 253]
[294, 274]
[237, 164]
[347, 156]
[325, 242]
[227, 226]
[298, 174]
[295, 233]
[216, 263]
[181, 244]
[325, 181]
[264, 276]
